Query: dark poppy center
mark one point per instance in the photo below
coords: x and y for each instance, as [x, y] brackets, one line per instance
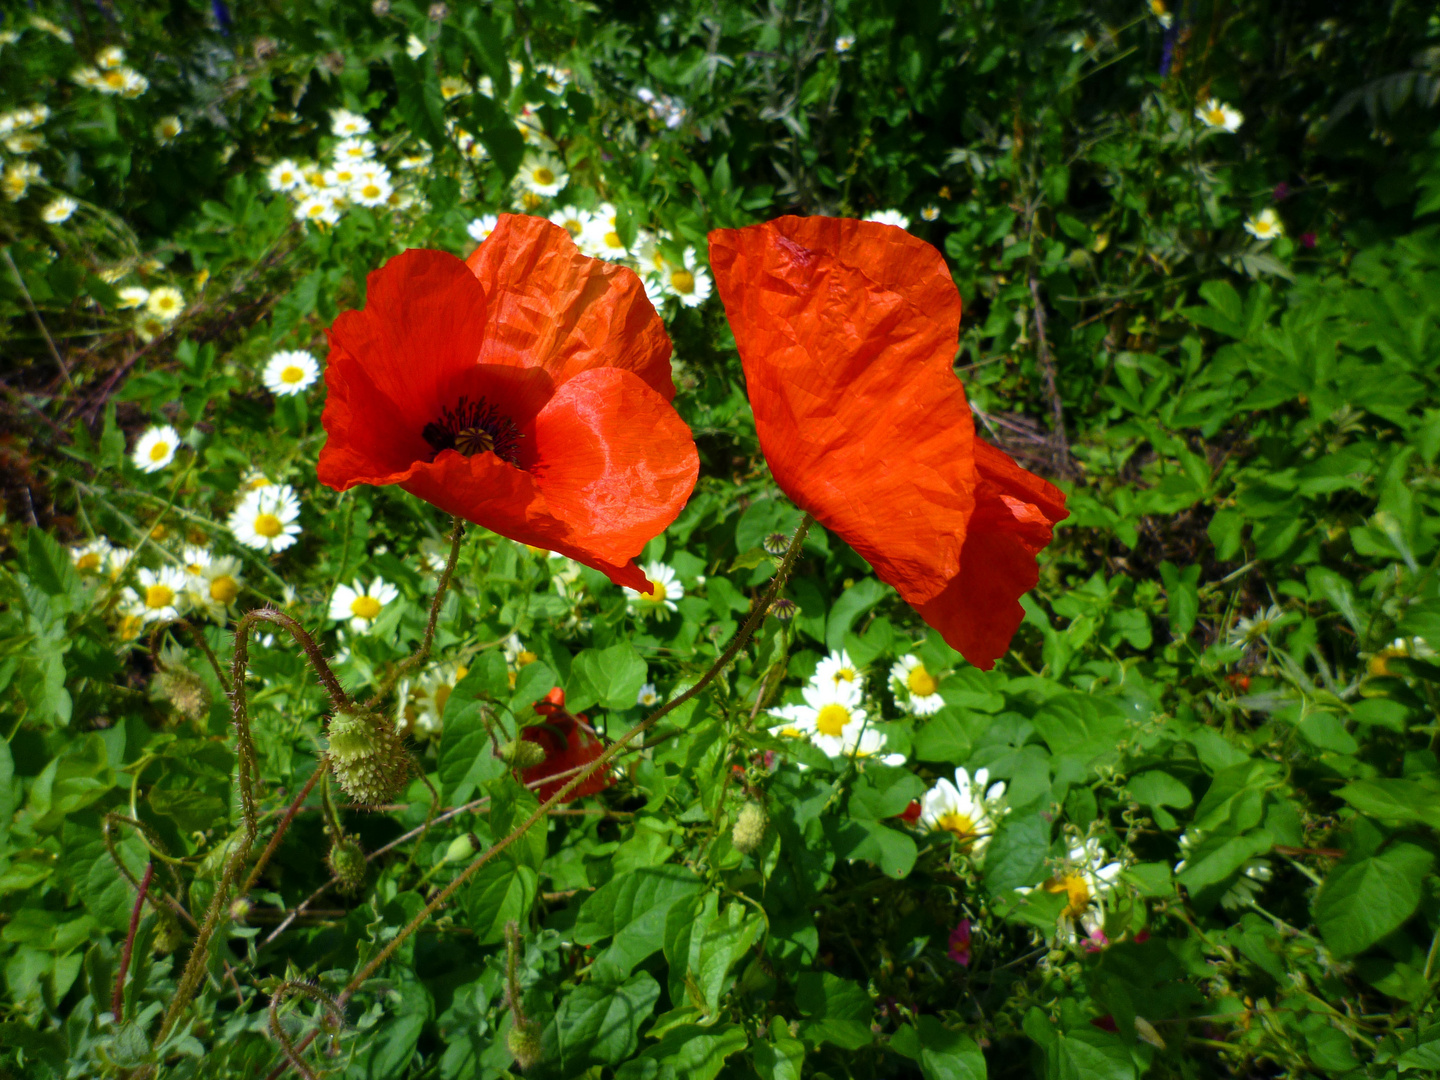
[471, 428]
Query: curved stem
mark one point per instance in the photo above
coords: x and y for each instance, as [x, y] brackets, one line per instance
[736, 644]
[290, 812]
[338, 697]
[277, 1029]
[117, 1001]
[421, 654]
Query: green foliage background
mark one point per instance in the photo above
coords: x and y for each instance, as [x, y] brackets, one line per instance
[1226, 678]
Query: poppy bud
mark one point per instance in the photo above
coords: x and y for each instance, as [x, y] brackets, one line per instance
[522, 754]
[347, 862]
[783, 609]
[749, 828]
[168, 933]
[462, 847]
[366, 755]
[523, 1042]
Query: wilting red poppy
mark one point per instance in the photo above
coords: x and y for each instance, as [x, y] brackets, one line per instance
[569, 742]
[848, 331]
[526, 389]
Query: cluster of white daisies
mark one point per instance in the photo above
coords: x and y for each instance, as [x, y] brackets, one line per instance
[353, 177]
[109, 75]
[197, 582]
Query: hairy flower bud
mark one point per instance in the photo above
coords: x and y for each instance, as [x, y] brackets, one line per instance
[522, 754]
[169, 934]
[346, 860]
[366, 755]
[523, 1042]
[184, 691]
[749, 828]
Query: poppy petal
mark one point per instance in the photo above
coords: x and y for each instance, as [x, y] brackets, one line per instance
[614, 461]
[848, 331]
[568, 744]
[419, 304]
[531, 269]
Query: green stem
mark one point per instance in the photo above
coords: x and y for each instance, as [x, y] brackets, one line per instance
[421, 654]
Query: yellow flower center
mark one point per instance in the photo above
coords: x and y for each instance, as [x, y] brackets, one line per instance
[920, 682]
[129, 627]
[612, 239]
[530, 200]
[316, 209]
[657, 594]
[160, 451]
[792, 732]
[292, 374]
[1215, 117]
[365, 607]
[1073, 885]
[224, 589]
[525, 657]
[159, 596]
[267, 525]
[543, 175]
[114, 78]
[957, 823]
[683, 281]
[442, 695]
[831, 719]
[572, 226]
[370, 191]
[88, 563]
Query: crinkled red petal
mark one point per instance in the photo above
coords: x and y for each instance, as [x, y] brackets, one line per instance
[568, 744]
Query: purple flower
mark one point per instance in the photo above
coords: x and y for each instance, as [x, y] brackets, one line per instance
[1282, 191]
[960, 943]
[1307, 239]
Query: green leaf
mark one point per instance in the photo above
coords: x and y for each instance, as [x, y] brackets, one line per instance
[1088, 1055]
[889, 849]
[419, 101]
[1080, 726]
[941, 1053]
[1364, 900]
[1157, 788]
[632, 909]
[853, 603]
[599, 1023]
[467, 755]
[838, 1011]
[1394, 800]
[611, 677]
[688, 1052]
[49, 565]
[499, 892]
[1015, 856]
[943, 738]
[1183, 596]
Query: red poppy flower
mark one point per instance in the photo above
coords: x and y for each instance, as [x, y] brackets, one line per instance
[848, 331]
[526, 389]
[569, 742]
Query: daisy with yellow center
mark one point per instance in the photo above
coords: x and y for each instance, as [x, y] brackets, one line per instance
[345, 123]
[91, 557]
[689, 282]
[573, 220]
[353, 151]
[265, 517]
[601, 238]
[167, 129]
[1216, 114]
[1265, 225]
[359, 605]
[889, 217]
[25, 143]
[1085, 880]
[289, 373]
[917, 690]
[216, 588]
[648, 697]
[665, 589]
[429, 697]
[964, 809]
[165, 303]
[837, 672]
[58, 210]
[156, 448]
[452, 87]
[321, 208]
[158, 594]
[480, 229]
[834, 721]
[285, 176]
[543, 174]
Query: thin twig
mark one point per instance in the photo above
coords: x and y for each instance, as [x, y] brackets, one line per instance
[290, 813]
[117, 1001]
[35, 314]
[421, 654]
[1047, 371]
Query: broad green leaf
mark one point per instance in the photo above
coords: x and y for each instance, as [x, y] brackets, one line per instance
[942, 1054]
[1015, 856]
[1394, 800]
[499, 892]
[599, 1023]
[1362, 901]
[688, 1052]
[633, 909]
[837, 1010]
[611, 677]
[942, 738]
[891, 850]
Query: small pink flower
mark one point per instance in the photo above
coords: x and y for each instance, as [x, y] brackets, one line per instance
[960, 943]
[1307, 240]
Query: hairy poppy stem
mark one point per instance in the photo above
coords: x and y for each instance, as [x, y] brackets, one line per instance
[117, 1002]
[290, 812]
[277, 1029]
[421, 654]
[757, 615]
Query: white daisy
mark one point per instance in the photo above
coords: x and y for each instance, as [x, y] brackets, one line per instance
[572, 219]
[93, 556]
[345, 123]
[18, 177]
[289, 373]
[165, 303]
[1215, 114]
[371, 189]
[647, 697]
[1264, 225]
[156, 448]
[351, 151]
[59, 209]
[844, 43]
[194, 559]
[930, 213]
[965, 809]
[917, 691]
[452, 87]
[542, 174]
[337, 181]
[320, 208]
[665, 589]
[110, 57]
[167, 129]
[265, 518]
[254, 479]
[159, 594]
[414, 47]
[359, 605]
[601, 238]
[689, 282]
[480, 229]
[285, 176]
[1086, 879]
[133, 84]
[215, 589]
[26, 142]
[429, 696]
[832, 719]
[838, 673]
[889, 217]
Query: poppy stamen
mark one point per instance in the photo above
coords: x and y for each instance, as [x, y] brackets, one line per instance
[474, 427]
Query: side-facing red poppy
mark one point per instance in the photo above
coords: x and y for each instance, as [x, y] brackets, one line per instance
[526, 389]
[569, 742]
[848, 332]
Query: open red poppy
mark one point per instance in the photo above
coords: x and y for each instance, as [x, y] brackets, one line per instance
[569, 742]
[526, 389]
[848, 331]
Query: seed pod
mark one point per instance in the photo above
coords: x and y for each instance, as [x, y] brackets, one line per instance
[184, 691]
[749, 830]
[366, 755]
[347, 862]
[523, 1042]
[169, 935]
[522, 754]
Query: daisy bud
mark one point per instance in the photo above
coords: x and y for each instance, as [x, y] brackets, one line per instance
[749, 828]
[523, 1042]
[185, 692]
[347, 862]
[366, 755]
[240, 909]
[522, 754]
